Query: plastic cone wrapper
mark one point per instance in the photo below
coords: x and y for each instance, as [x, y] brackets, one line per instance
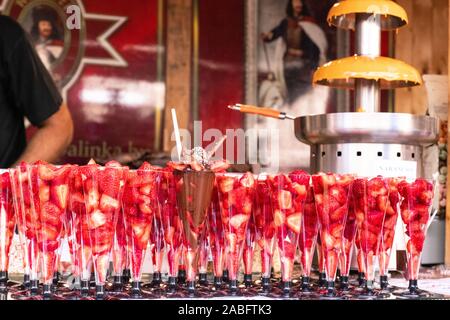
[264, 225]
[7, 219]
[216, 235]
[415, 204]
[102, 188]
[171, 221]
[236, 196]
[308, 233]
[370, 196]
[331, 194]
[139, 206]
[288, 192]
[390, 221]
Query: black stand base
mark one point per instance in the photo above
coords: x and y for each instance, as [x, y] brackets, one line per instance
[191, 287]
[286, 287]
[322, 279]
[3, 281]
[203, 279]
[217, 282]
[136, 292]
[306, 284]
[47, 291]
[156, 279]
[225, 276]
[361, 279]
[233, 286]
[172, 284]
[384, 282]
[344, 283]
[265, 283]
[117, 284]
[248, 280]
[56, 278]
[84, 290]
[99, 292]
[181, 276]
[126, 276]
[26, 281]
[34, 287]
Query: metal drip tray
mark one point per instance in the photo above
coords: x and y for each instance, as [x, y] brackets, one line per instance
[351, 127]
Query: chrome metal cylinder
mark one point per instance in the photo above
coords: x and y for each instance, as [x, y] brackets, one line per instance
[368, 42]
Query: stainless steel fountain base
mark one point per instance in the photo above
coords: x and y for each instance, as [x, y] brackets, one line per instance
[390, 144]
[367, 159]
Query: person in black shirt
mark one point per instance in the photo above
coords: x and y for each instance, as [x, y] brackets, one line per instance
[28, 91]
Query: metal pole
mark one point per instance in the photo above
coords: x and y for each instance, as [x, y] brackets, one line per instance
[368, 42]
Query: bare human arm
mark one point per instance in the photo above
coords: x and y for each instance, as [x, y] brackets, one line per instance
[51, 139]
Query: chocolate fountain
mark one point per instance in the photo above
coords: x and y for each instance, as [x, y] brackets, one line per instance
[367, 142]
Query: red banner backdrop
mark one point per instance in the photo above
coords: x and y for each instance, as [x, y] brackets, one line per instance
[108, 71]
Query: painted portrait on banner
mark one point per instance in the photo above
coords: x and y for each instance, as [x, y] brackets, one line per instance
[293, 40]
[106, 58]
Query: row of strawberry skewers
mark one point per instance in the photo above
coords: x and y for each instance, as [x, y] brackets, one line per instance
[114, 213]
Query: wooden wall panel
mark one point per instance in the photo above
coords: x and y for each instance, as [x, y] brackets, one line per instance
[178, 66]
[424, 45]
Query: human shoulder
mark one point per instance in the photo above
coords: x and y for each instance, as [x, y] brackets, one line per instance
[11, 29]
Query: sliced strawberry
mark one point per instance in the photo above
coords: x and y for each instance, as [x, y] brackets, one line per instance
[406, 215]
[145, 209]
[146, 189]
[336, 230]
[339, 214]
[300, 190]
[328, 179]
[92, 200]
[47, 172]
[97, 219]
[345, 180]
[102, 265]
[49, 233]
[168, 235]
[109, 181]
[51, 214]
[231, 241]
[331, 262]
[328, 240]
[284, 200]
[108, 203]
[294, 222]
[60, 195]
[247, 181]
[226, 184]
[238, 221]
[278, 218]
[44, 193]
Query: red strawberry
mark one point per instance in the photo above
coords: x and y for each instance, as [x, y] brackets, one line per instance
[406, 215]
[108, 203]
[278, 218]
[339, 194]
[336, 230]
[294, 222]
[375, 218]
[60, 195]
[92, 200]
[109, 181]
[328, 180]
[339, 214]
[345, 180]
[97, 219]
[331, 262]
[226, 184]
[238, 221]
[47, 171]
[231, 241]
[219, 165]
[49, 233]
[284, 200]
[168, 235]
[51, 214]
[328, 240]
[247, 180]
